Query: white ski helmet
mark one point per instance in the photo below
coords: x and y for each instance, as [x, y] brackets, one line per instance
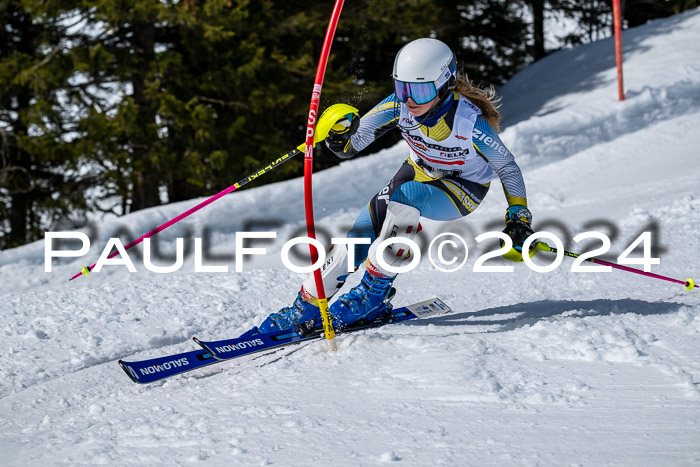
[422, 68]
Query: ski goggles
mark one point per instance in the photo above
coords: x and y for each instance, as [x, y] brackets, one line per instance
[421, 93]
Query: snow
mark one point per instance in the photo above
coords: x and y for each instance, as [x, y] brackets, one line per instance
[558, 368]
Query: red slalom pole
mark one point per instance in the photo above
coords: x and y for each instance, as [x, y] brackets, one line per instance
[617, 20]
[308, 170]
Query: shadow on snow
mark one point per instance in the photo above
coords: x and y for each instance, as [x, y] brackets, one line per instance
[526, 314]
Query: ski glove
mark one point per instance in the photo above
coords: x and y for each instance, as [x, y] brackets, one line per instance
[338, 138]
[518, 228]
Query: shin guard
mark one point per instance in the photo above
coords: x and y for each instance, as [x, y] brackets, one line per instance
[401, 221]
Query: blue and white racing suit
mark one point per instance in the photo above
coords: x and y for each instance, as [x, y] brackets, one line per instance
[453, 157]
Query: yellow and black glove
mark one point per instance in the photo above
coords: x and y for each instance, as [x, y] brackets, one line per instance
[518, 228]
[339, 135]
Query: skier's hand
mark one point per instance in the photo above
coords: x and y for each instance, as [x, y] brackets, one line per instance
[518, 228]
[338, 138]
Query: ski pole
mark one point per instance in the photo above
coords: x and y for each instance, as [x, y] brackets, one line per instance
[331, 115]
[308, 170]
[280, 160]
[688, 284]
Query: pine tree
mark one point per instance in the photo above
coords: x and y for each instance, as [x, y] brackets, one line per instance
[119, 129]
[39, 181]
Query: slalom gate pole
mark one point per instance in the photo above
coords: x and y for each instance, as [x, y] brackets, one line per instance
[308, 171]
[279, 161]
[688, 284]
[617, 26]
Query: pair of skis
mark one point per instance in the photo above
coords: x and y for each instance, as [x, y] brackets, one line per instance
[156, 369]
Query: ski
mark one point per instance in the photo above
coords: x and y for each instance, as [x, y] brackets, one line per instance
[156, 369]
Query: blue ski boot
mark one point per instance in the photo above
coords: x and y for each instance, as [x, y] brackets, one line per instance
[369, 299]
[300, 316]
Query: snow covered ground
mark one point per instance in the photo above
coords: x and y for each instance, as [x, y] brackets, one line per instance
[557, 368]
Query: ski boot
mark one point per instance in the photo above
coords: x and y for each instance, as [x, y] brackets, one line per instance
[368, 300]
[301, 316]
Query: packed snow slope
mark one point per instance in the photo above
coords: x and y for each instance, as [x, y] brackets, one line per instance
[556, 368]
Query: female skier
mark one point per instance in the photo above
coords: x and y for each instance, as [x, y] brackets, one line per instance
[451, 130]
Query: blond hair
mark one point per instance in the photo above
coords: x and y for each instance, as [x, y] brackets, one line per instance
[485, 99]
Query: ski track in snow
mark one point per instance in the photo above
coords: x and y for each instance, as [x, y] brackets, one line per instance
[560, 368]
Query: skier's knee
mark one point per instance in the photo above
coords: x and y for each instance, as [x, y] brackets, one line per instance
[401, 221]
[412, 193]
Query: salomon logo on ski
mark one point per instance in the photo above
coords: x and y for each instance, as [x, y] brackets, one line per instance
[164, 366]
[239, 346]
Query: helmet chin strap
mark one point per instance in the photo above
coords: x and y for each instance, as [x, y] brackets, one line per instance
[431, 111]
[447, 94]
